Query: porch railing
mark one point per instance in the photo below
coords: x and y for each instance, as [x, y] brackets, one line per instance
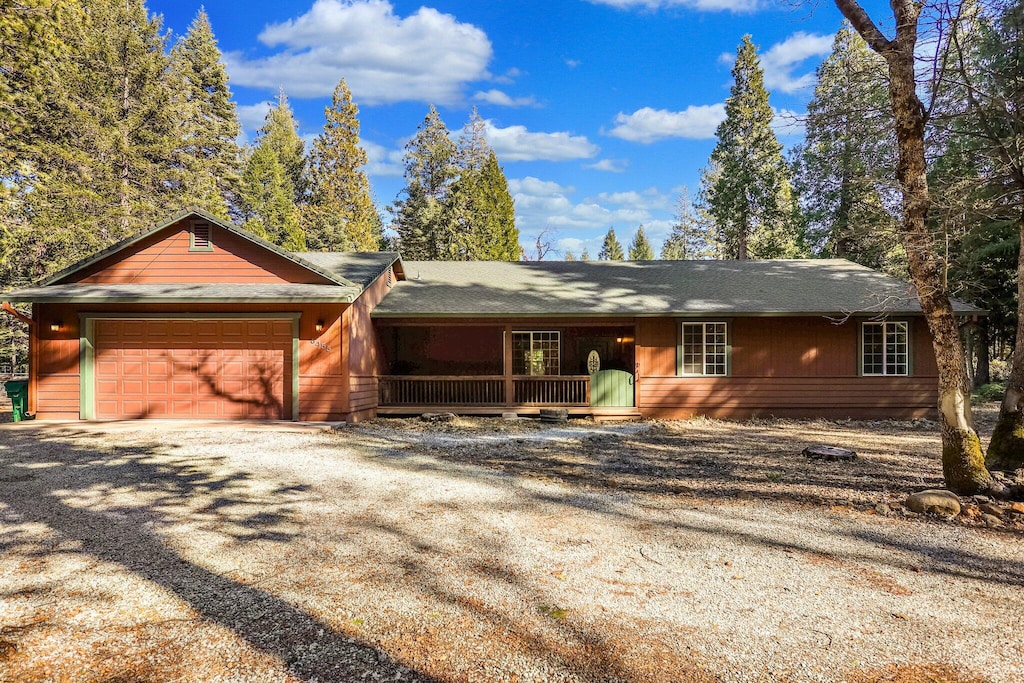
[562, 390]
[487, 390]
[442, 391]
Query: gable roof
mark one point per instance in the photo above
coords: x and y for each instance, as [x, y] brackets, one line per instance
[630, 288]
[298, 259]
[348, 273]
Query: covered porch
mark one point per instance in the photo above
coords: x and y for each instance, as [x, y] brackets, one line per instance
[522, 367]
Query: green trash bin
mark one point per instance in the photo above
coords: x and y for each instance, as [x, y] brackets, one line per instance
[17, 391]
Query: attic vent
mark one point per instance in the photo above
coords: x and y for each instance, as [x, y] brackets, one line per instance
[201, 237]
[391, 280]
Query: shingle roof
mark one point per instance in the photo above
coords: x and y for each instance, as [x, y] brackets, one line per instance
[183, 293]
[788, 287]
[359, 268]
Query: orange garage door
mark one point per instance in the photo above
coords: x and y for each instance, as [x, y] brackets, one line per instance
[205, 369]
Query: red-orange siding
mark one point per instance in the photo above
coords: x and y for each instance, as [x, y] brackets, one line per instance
[785, 367]
[164, 257]
[323, 376]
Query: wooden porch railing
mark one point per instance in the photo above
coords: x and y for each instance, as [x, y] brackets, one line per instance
[488, 390]
[401, 390]
[562, 390]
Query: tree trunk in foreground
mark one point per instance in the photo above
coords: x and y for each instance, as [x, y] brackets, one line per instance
[963, 462]
[1006, 450]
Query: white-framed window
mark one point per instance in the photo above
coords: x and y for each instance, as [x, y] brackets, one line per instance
[704, 349]
[536, 353]
[885, 348]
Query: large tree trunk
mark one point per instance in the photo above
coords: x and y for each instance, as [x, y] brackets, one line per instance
[963, 462]
[1006, 450]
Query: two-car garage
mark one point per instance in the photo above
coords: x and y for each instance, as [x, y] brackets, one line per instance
[206, 368]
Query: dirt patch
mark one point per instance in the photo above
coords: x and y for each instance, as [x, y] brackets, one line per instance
[693, 551]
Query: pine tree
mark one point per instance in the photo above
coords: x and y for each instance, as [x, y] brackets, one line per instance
[611, 250]
[569, 256]
[421, 215]
[267, 201]
[585, 254]
[340, 215]
[210, 158]
[691, 236]
[92, 159]
[280, 134]
[640, 248]
[845, 166]
[750, 198]
[495, 219]
[478, 214]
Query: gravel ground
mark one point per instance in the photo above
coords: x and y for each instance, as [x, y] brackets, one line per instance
[485, 550]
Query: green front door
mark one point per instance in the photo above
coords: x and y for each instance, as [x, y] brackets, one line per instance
[611, 388]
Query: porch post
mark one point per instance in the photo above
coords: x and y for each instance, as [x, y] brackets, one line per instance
[510, 391]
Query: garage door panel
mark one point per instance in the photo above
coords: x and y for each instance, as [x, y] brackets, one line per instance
[193, 368]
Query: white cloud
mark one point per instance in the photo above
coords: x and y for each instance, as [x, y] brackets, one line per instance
[781, 60]
[427, 56]
[516, 143]
[509, 76]
[381, 161]
[502, 99]
[545, 204]
[572, 63]
[609, 165]
[537, 187]
[735, 6]
[252, 116]
[697, 122]
[648, 199]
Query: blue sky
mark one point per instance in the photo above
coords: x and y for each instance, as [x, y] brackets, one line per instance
[600, 110]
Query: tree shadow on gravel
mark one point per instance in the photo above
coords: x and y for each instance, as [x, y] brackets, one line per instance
[757, 461]
[46, 478]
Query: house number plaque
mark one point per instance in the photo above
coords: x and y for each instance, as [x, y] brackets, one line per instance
[319, 344]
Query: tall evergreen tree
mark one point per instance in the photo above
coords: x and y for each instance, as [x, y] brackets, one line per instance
[585, 254]
[640, 248]
[207, 121]
[93, 157]
[844, 168]
[431, 167]
[280, 134]
[340, 214]
[611, 250]
[750, 198]
[267, 201]
[691, 236]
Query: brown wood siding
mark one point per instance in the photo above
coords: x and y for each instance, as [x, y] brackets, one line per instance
[164, 258]
[363, 396]
[365, 357]
[323, 378]
[794, 367]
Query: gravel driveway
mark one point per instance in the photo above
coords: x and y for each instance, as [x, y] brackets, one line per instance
[490, 551]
